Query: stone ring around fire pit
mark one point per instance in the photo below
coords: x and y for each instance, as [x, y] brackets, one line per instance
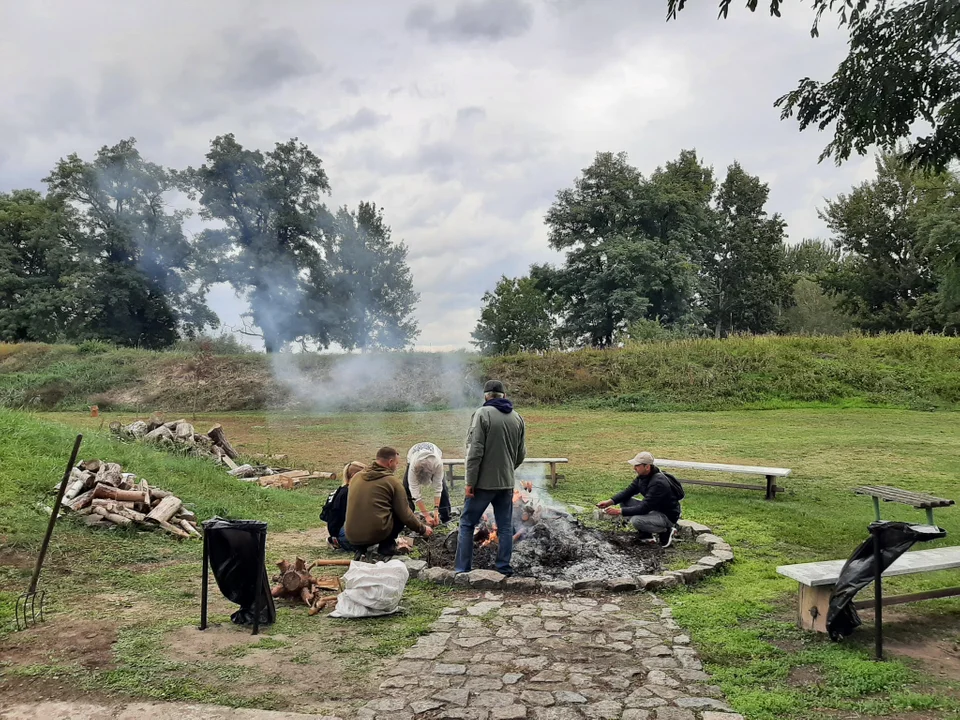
[719, 554]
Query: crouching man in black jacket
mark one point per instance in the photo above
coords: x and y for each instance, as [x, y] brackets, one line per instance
[655, 517]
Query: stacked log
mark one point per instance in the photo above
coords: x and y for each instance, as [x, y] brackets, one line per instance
[180, 435]
[106, 496]
[295, 581]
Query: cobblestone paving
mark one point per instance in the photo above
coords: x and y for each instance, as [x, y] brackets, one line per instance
[502, 658]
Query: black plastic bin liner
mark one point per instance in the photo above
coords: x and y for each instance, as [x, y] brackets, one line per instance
[234, 550]
[858, 572]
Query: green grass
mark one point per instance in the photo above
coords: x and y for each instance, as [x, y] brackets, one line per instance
[901, 371]
[740, 621]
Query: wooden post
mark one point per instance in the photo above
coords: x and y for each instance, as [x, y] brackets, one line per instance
[553, 474]
[771, 487]
[814, 603]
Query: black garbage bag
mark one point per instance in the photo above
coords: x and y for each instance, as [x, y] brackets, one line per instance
[858, 572]
[234, 548]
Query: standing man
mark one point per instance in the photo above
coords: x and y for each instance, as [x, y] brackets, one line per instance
[655, 517]
[377, 508]
[495, 448]
[424, 476]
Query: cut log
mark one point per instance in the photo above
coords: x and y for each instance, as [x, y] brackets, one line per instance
[80, 501]
[165, 510]
[172, 425]
[158, 435]
[294, 474]
[112, 517]
[244, 471]
[187, 515]
[136, 429]
[216, 434]
[188, 528]
[75, 489]
[115, 427]
[112, 474]
[90, 465]
[112, 505]
[110, 493]
[156, 420]
[331, 563]
[172, 529]
[322, 476]
[156, 493]
[145, 489]
[137, 517]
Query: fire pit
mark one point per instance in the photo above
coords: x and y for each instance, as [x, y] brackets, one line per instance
[550, 544]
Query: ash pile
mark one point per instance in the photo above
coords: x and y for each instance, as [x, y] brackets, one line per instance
[108, 497]
[552, 544]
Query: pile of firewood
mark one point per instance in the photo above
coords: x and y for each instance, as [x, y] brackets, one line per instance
[107, 496]
[179, 434]
[297, 582]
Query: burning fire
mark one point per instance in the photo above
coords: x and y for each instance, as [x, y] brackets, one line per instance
[486, 532]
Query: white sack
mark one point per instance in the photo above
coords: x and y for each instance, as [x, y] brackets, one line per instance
[371, 589]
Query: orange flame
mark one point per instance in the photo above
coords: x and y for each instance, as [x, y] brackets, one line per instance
[491, 538]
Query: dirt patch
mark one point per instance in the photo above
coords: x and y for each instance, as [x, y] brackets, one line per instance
[804, 677]
[11, 557]
[304, 667]
[61, 642]
[940, 658]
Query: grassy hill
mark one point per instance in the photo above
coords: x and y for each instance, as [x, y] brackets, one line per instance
[907, 371]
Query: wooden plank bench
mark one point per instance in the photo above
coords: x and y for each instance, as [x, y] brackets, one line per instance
[920, 501]
[818, 578]
[770, 473]
[450, 464]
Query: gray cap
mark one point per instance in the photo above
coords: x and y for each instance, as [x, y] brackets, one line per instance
[493, 386]
[643, 458]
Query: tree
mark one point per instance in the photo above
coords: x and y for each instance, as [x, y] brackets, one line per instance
[39, 249]
[631, 246]
[813, 311]
[515, 318]
[138, 287]
[889, 279]
[374, 286]
[746, 283]
[902, 68]
[272, 248]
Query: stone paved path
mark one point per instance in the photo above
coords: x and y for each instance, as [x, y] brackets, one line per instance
[558, 658]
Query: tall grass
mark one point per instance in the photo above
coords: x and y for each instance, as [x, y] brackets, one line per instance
[902, 370]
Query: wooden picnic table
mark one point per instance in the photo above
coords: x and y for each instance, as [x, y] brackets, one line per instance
[920, 501]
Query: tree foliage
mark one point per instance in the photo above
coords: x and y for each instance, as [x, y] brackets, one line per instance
[813, 310]
[139, 267]
[39, 249]
[902, 68]
[373, 286]
[515, 318]
[309, 276]
[746, 284]
[889, 230]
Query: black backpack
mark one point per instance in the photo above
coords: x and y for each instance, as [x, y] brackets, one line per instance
[678, 492]
[328, 506]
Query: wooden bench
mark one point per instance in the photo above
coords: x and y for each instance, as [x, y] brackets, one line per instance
[818, 578]
[920, 501]
[450, 464]
[771, 474]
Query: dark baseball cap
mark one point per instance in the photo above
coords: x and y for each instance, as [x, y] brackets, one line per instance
[493, 386]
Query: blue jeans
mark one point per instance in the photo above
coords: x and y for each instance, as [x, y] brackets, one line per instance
[344, 544]
[473, 509]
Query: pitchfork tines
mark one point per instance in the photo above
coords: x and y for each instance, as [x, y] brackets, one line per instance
[26, 608]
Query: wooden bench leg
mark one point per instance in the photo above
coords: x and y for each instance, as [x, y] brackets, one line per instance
[771, 487]
[814, 603]
[553, 474]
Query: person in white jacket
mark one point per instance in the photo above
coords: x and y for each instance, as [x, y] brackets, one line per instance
[423, 481]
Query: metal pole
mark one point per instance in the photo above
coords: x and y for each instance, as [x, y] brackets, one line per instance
[929, 516]
[203, 583]
[876, 508]
[877, 593]
[53, 514]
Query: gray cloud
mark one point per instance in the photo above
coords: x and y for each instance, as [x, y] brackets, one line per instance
[484, 20]
[461, 136]
[362, 119]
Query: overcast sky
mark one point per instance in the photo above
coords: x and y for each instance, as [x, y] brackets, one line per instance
[460, 118]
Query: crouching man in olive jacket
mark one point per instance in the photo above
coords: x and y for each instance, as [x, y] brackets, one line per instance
[495, 448]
